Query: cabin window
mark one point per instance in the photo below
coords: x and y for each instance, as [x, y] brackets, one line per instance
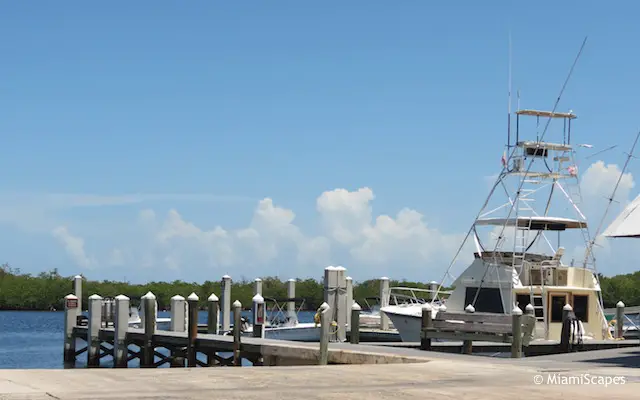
[489, 300]
[557, 303]
[523, 300]
[581, 307]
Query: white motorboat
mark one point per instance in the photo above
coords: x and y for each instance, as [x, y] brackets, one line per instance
[518, 263]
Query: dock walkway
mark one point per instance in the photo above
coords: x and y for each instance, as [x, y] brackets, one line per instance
[445, 376]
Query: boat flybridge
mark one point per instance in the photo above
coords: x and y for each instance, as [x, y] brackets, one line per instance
[534, 202]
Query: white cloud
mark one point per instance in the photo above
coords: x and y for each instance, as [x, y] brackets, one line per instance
[350, 234]
[74, 246]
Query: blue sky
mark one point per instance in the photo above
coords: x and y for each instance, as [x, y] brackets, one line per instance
[114, 115]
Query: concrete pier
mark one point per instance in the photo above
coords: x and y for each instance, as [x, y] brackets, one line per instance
[461, 377]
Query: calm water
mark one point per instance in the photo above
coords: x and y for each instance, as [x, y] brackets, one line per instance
[34, 339]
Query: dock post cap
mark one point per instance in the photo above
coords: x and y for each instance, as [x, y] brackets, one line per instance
[470, 309]
[324, 306]
[529, 307]
[427, 306]
[237, 304]
[433, 282]
[619, 304]
[349, 278]
[193, 297]
[149, 296]
[213, 297]
[95, 297]
[340, 268]
[567, 307]
[516, 311]
[384, 278]
[226, 277]
[330, 268]
[292, 280]
[258, 299]
[257, 280]
[177, 297]
[442, 308]
[121, 297]
[356, 307]
[77, 277]
[71, 296]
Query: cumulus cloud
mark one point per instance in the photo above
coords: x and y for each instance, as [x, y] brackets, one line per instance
[74, 246]
[349, 233]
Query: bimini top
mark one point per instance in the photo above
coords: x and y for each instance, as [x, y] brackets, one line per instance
[547, 114]
[627, 224]
[537, 223]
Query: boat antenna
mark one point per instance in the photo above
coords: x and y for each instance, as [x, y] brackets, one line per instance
[589, 248]
[509, 107]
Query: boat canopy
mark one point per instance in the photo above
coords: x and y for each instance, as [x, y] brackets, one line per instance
[627, 224]
[536, 223]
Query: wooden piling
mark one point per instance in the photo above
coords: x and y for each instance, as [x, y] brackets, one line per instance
[77, 291]
[341, 303]
[355, 323]
[384, 301]
[178, 324]
[427, 318]
[330, 295]
[225, 303]
[257, 286]
[349, 298]
[324, 311]
[237, 326]
[619, 320]
[213, 321]
[257, 310]
[516, 332]
[291, 305]
[147, 350]
[193, 329]
[93, 333]
[70, 319]
[467, 345]
[121, 326]
[565, 335]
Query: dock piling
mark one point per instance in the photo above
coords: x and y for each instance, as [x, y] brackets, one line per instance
[516, 332]
[121, 325]
[324, 333]
[70, 319]
[349, 298]
[355, 323]
[257, 286]
[77, 291]
[258, 316]
[149, 306]
[178, 324]
[384, 301]
[619, 319]
[330, 289]
[427, 318]
[226, 303]
[237, 326]
[193, 329]
[291, 304]
[341, 301]
[213, 321]
[95, 324]
[467, 345]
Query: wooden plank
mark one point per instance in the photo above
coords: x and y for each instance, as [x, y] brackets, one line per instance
[475, 317]
[482, 337]
[470, 327]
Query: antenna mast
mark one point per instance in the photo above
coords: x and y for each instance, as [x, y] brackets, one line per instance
[509, 106]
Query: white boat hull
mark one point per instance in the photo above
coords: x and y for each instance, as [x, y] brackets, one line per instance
[306, 332]
[407, 324]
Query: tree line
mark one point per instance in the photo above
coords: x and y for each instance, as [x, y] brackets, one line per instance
[46, 291]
